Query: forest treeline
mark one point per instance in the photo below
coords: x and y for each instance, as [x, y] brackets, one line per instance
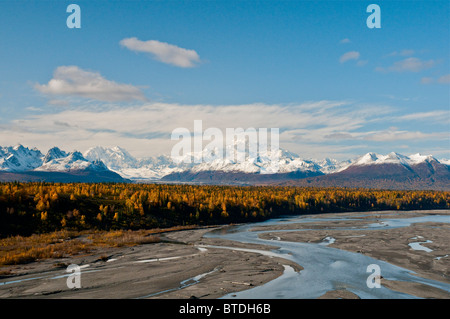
[27, 208]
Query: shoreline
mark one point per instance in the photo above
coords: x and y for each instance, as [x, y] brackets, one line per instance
[158, 270]
[139, 271]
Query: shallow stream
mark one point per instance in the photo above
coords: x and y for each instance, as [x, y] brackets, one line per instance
[326, 268]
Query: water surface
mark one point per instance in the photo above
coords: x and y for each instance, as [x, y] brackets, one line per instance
[326, 268]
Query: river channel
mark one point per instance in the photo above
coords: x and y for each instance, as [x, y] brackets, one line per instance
[326, 268]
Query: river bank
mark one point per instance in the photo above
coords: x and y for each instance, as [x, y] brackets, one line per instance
[204, 263]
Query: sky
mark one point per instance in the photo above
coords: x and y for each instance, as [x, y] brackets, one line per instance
[137, 70]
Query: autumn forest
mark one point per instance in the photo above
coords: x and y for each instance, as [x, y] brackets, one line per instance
[29, 208]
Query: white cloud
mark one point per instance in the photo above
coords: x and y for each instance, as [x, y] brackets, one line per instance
[440, 116]
[346, 40]
[426, 80]
[400, 98]
[163, 52]
[389, 136]
[33, 109]
[408, 65]
[402, 53]
[361, 62]
[73, 81]
[352, 55]
[312, 129]
[445, 79]
[57, 102]
[339, 136]
[145, 129]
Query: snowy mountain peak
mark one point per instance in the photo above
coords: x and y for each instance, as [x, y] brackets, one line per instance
[99, 165]
[75, 156]
[123, 163]
[19, 158]
[418, 158]
[114, 157]
[54, 153]
[393, 158]
[119, 149]
[18, 147]
[64, 162]
[369, 158]
[329, 165]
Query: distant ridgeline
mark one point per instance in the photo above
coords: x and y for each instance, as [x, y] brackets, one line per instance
[27, 208]
[115, 164]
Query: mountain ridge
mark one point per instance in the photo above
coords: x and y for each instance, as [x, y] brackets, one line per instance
[19, 163]
[116, 163]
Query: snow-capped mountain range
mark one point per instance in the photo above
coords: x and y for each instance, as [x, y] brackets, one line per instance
[118, 160]
[23, 159]
[394, 158]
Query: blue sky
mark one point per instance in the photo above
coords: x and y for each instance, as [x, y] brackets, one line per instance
[136, 70]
